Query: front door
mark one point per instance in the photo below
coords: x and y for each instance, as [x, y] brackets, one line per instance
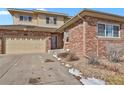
[54, 42]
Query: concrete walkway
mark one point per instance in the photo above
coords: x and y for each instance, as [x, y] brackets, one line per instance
[20, 69]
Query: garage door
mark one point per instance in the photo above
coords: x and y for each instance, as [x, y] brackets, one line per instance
[25, 45]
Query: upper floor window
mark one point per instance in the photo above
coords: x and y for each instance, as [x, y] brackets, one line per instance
[30, 18]
[108, 30]
[25, 18]
[47, 20]
[51, 20]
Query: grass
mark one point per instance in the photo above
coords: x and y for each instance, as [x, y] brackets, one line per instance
[112, 73]
[115, 80]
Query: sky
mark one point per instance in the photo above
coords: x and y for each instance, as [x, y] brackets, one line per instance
[6, 18]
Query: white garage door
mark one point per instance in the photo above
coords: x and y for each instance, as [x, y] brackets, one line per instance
[24, 45]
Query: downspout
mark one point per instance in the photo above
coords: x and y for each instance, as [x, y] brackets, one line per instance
[84, 37]
[97, 51]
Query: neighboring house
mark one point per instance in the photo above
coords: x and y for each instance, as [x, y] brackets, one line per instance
[32, 32]
[91, 32]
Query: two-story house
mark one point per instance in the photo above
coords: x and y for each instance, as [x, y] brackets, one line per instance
[33, 31]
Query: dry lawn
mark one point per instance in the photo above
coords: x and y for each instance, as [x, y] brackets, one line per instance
[112, 73]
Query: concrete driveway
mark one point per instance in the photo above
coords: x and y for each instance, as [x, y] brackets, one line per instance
[25, 69]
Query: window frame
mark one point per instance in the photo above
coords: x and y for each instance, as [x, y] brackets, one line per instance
[30, 18]
[20, 18]
[53, 20]
[26, 18]
[47, 21]
[112, 24]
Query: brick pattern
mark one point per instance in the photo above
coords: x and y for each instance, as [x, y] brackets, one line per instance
[92, 43]
[0, 46]
[98, 45]
[75, 43]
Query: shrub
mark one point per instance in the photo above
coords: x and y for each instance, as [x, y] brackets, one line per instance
[72, 57]
[34, 80]
[110, 66]
[93, 59]
[63, 55]
[49, 60]
[114, 52]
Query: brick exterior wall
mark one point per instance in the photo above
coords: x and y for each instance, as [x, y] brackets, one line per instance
[75, 43]
[93, 44]
[0, 45]
[29, 34]
[98, 45]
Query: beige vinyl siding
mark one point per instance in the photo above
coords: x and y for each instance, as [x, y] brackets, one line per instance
[42, 21]
[38, 20]
[16, 19]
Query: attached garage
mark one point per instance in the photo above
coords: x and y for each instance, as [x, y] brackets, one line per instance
[19, 39]
[25, 45]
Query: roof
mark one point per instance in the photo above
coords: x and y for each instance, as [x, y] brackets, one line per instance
[92, 13]
[11, 10]
[26, 28]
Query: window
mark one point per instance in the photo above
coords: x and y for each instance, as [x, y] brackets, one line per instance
[25, 18]
[55, 20]
[51, 20]
[101, 29]
[21, 18]
[66, 36]
[47, 20]
[108, 30]
[116, 31]
[30, 18]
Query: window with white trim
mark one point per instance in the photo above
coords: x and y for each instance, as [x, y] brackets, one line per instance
[25, 18]
[51, 20]
[108, 30]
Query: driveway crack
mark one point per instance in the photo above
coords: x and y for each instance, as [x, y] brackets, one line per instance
[16, 61]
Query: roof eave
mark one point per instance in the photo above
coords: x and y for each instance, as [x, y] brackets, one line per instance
[91, 13]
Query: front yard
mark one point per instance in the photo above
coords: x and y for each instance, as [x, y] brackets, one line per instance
[110, 72]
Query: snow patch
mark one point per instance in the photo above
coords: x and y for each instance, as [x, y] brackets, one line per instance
[92, 81]
[87, 81]
[59, 59]
[75, 72]
[67, 65]
[56, 56]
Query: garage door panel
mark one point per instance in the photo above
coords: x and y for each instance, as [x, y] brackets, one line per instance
[25, 45]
